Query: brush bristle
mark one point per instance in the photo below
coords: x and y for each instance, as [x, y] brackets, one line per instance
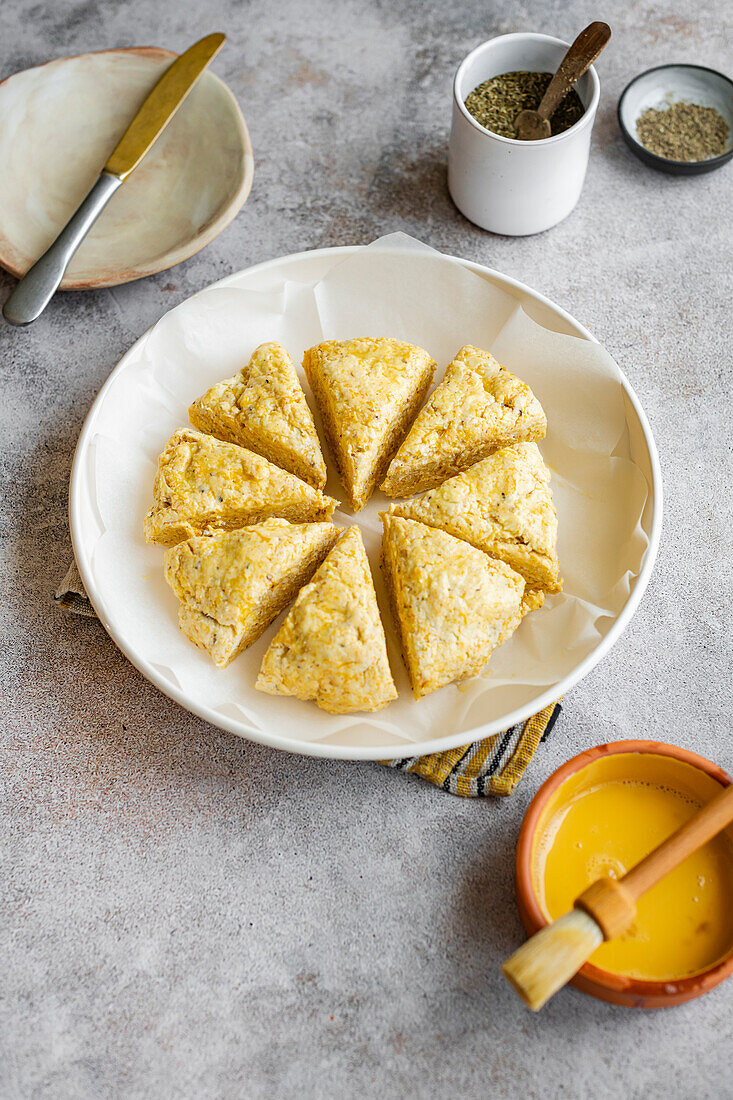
[547, 961]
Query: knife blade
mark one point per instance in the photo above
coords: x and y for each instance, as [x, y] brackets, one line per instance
[39, 284]
[161, 105]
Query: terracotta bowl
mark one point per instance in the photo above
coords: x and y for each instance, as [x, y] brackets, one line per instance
[607, 986]
[58, 124]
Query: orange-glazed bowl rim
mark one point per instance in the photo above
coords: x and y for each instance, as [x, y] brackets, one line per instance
[593, 979]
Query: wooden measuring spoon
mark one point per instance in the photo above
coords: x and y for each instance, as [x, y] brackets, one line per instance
[535, 125]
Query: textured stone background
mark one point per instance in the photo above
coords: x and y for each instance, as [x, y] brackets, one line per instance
[186, 914]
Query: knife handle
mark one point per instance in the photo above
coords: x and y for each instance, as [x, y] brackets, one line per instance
[39, 284]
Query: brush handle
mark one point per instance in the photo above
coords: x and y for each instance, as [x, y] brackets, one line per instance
[701, 827]
[612, 903]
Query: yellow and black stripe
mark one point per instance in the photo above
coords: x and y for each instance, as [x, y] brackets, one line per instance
[492, 766]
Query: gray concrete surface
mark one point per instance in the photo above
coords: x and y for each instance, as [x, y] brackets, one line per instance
[188, 915]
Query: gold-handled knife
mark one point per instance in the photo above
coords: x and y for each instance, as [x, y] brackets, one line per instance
[35, 290]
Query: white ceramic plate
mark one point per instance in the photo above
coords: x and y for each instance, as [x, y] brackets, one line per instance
[357, 741]
[58, 124]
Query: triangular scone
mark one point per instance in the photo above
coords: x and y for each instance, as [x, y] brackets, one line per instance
[264, 408]
[503, 506]
[452, 603]
[205, 485]
[368, 390]
[478, 407]
[232, 584]
[331, 647]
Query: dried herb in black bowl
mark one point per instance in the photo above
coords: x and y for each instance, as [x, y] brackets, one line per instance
[683, 131]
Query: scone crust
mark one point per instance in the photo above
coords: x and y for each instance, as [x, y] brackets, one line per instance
[368, 390]
[331, 648]
[452, 603]
[232, 584]
[502, 505]
[264, 409]
[204, 485]
[478, 408]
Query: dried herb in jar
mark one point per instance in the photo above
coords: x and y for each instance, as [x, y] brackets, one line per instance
[683, 131]
[497, 102]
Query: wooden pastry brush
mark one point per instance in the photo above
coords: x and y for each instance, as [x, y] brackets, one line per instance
[547, 961]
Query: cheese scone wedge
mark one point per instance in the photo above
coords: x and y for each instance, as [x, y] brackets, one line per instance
[368, 391]
[204, 485]
[478, 408]
[452, 603]
[331, 647]
[502, 505]
[232, 584]
[264, 409]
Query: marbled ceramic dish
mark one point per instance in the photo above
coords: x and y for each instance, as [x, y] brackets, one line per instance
[58, 124]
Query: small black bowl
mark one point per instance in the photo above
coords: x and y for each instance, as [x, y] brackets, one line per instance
[667, 84]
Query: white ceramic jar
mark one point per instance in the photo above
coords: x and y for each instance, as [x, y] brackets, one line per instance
[505, 185]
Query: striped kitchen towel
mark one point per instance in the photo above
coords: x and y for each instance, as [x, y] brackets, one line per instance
[493, 766]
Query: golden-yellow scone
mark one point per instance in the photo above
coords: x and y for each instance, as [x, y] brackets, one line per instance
[502, 505]
[452, 603]
[232, 584]
[478, 408]
[204, 485]
[331, 647]
[368, 390]
[264, 408]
